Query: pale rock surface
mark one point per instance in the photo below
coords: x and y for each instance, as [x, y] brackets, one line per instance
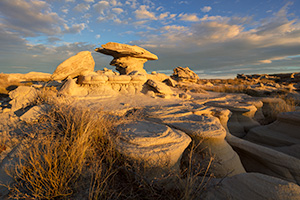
[127, 58]
[80, 64]
[250, 186]
[155, 144]
[107, 72]
[204, 128]
[159, 87]
[34, 113]
[22, 97]
[282, 135]
[242, 118]
[257, 158]
[184, 74]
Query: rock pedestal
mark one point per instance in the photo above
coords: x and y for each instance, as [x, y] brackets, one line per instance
[127, 58]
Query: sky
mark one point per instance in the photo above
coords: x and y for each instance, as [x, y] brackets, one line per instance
[215, 38]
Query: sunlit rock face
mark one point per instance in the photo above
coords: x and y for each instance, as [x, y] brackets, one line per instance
[184, 74]
[80, 64]
[206, 130]
[127, 58]
[155, 145]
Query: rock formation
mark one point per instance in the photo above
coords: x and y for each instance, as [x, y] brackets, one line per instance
[207, 131]
[154, 144]
[80, 64]
[127, 58]
[249, 186]
[184, 74]
[282, 135]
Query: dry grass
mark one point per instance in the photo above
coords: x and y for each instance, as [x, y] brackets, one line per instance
[70, 154]
[272, 109]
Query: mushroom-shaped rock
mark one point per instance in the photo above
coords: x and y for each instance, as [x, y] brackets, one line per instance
[207, 131]
[154, 144]
[127, 58]
[80, 64]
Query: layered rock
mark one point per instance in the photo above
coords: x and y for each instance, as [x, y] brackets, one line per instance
[207, 131]
[184, 74]
[282, 135]
[242, 118]
[153, 144]
[249, 186]
[257, 158]
[127, 58]
[80, 64]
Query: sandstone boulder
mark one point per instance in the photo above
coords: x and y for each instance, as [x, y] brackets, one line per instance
[184, 74]
[127, 58]
[159, 87]
[80, 64]
[207, 131]
[154, 144]
[22, 97]
[34, 113]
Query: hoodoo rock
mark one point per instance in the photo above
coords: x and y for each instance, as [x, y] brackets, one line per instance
[80, 64]
[127, 58]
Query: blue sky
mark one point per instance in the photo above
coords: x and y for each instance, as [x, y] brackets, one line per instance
[215, 38]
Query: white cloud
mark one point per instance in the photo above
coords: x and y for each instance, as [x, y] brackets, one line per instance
[189, 17]
[30, 17]
[75, 28]
[82, 7]
[206, 9]
[70, 1]
[66, 11]
[163, 15]
[227, 43]
[89, 1]
[212, 18]
[117, 10]
[97, 36]
[133, 3]
[101, 6]
[115, 3]
[143, 13]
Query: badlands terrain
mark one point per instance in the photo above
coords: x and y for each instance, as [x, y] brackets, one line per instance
[85, 134]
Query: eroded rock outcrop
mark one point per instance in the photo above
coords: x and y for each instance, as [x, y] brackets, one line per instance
[80, 64]
[257, 158]
[249, 186]
[184, 74]
[22, 97]
[155, 145]
[127, 58]
[207, 131]
[242, 118]
[282, 135]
